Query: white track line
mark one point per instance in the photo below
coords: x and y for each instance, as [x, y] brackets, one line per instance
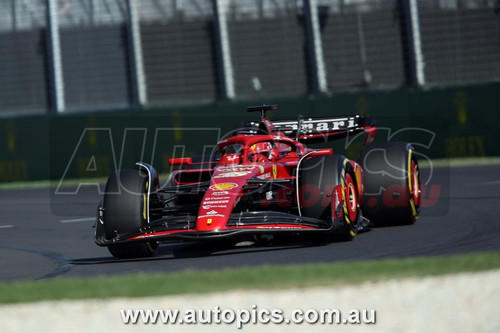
[6, 226]
[86, 219]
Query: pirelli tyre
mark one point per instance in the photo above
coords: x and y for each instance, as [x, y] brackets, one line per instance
[328, 192]
[391, 183]
[125, 211]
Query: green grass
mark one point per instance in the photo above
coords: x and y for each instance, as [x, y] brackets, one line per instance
[43, 184]
[460, 162]
[35, 184]
[276, 277]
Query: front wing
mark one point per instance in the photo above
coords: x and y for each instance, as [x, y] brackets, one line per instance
[239, 224]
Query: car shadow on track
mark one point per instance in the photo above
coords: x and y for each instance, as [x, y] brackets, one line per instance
[200, 250]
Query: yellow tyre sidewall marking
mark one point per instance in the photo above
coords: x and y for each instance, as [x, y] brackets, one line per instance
[144, 203]
[412, 202]
[345, 208]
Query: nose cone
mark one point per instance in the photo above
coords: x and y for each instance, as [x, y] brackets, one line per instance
[222, 196]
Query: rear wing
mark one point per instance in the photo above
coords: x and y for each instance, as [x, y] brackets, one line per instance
[316, 130]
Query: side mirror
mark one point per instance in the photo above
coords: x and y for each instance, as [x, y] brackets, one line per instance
[322, 152]
[180, 161]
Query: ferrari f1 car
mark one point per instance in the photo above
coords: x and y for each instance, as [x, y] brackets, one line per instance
[260, 182]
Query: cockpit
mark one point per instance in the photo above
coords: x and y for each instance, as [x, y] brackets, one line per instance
[257, 152]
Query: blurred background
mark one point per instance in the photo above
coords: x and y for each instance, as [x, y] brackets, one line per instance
[73, 61]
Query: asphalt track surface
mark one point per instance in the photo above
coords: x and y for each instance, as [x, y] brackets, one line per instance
[43, 238]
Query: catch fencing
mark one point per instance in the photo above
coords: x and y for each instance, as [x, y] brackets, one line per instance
[87, 55]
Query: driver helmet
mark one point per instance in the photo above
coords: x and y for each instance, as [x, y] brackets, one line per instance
[259, 150]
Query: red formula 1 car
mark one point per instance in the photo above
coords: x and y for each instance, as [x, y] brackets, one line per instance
[263, 182]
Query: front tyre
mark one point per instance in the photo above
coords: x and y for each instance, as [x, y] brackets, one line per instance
[125, 211]
[328, 191]
[345, 210]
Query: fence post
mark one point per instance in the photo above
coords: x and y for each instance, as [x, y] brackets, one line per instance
[139, 88]
[13, 14]
[223, 50]
[315, 48]
[56, 78]
[416, 57]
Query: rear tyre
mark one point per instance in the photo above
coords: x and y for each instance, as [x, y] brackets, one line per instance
[125, 211]
[319, 179]
[392, 183]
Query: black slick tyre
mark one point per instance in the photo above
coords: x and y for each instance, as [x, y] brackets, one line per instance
[124, 211]
[391, 182]
[319, 177]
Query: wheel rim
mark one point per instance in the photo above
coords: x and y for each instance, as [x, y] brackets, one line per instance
[415, 183]
[351, 198]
